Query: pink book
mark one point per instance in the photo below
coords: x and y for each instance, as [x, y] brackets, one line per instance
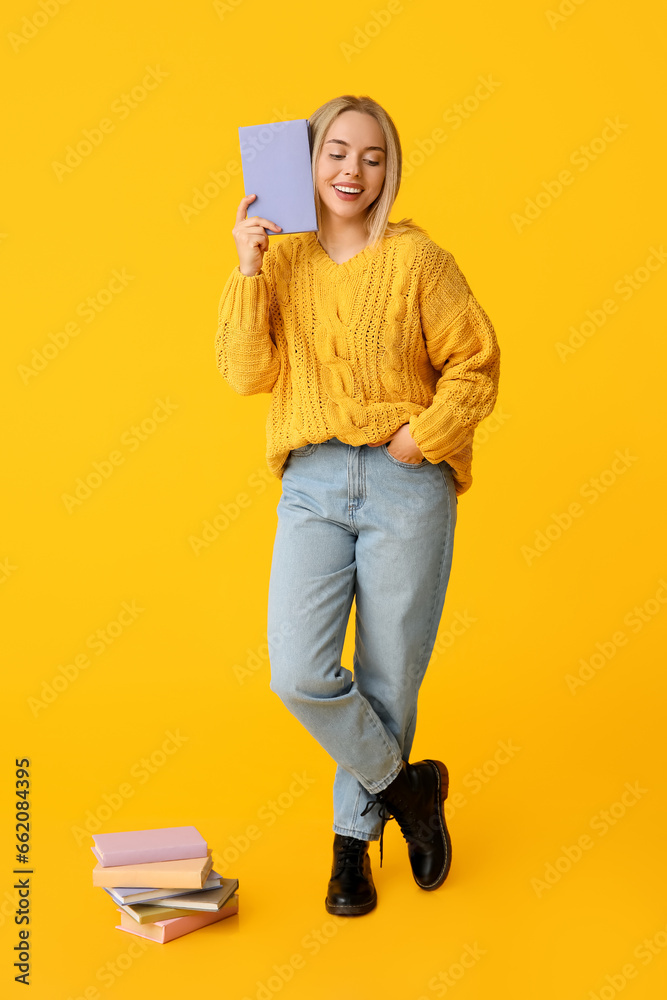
[137, 847]
[166, 930]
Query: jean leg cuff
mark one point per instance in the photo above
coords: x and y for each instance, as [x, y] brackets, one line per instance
[359, 834]
[381, 785]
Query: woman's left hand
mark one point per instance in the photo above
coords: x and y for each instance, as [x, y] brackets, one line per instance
[404, 449]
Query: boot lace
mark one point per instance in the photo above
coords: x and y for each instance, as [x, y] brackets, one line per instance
[384, 814]
[413, 829]
[350, 854]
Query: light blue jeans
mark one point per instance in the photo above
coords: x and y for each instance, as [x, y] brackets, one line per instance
[354, 522]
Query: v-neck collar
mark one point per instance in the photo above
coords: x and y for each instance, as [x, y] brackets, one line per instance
[322, 259]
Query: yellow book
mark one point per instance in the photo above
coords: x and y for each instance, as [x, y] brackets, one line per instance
[149, 914]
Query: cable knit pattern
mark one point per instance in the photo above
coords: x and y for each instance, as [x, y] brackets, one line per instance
[392, 336]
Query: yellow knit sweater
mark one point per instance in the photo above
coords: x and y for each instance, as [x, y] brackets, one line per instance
[392, 336]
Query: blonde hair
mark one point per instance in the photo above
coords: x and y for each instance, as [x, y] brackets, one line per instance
[377, 217]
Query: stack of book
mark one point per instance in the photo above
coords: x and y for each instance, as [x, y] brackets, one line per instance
[162, 881]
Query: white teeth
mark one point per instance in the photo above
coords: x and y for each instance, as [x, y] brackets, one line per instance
[347, 190]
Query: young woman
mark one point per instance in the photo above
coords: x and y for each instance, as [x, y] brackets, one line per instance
[380, 363]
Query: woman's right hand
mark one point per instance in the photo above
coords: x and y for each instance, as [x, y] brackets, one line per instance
[251, 240]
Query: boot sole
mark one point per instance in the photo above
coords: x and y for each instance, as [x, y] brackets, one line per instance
[352, 910]
[443, 789]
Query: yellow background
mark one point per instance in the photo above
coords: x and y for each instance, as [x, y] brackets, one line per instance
[192, 661]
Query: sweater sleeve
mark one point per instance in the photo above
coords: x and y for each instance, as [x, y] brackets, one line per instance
[462, 346]
[245, 349]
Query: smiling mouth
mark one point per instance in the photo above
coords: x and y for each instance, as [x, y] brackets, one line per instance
[347, 192]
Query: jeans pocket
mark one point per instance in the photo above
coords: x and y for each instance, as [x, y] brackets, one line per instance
[306, 449]
[403, 465]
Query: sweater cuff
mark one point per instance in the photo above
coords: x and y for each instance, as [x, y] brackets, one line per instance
[438, 436]
[245, 300]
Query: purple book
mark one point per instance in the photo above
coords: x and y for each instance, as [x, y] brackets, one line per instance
[276, 167]
[138, 847]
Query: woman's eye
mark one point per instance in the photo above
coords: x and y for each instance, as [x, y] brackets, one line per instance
[339, 156]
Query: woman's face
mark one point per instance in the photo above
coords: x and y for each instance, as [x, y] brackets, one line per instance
[353, 154]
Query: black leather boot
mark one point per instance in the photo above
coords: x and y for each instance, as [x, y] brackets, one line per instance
[416, 799]
[351, 891]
